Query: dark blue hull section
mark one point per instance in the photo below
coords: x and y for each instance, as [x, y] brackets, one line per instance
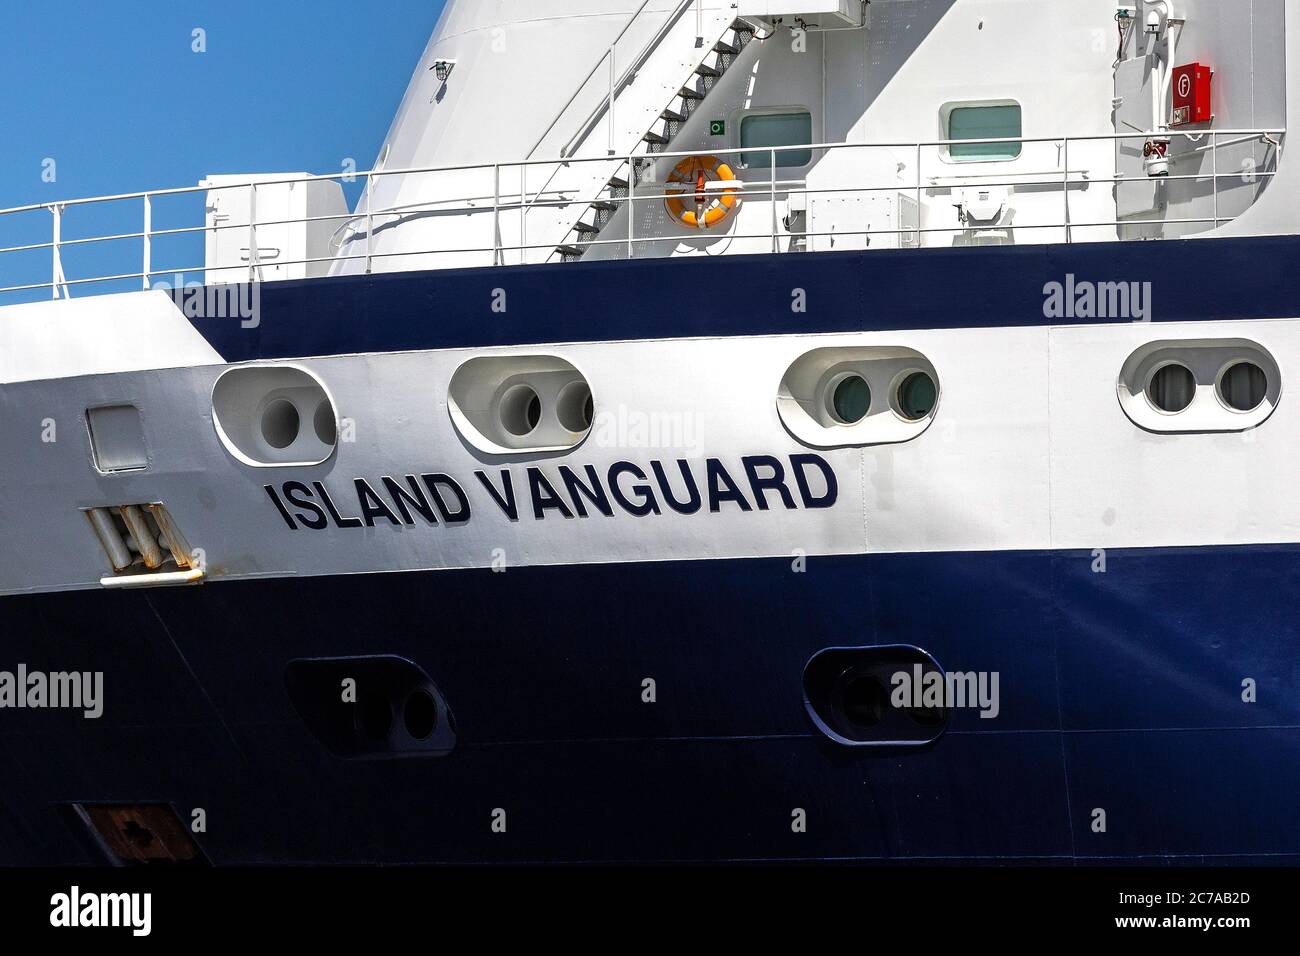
[1120, 691]
[1191, 280]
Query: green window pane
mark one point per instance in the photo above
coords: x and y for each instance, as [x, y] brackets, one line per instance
[852, 399]
[776, 129]
[984, 122]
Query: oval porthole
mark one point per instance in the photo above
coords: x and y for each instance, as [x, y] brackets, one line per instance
[520, 410]
[850, 399]
[846, 693]
[280, 423]
[854, 396]
[1243, 386]
[504, 404]
[1199, 386]
[575, 407]
[1172, 388]
[916, 395]
[274, 415]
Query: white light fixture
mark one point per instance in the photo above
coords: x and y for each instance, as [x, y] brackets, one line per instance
[442, 69]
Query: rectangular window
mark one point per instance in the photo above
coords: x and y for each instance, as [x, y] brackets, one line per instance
[984, 122]
[776, 129]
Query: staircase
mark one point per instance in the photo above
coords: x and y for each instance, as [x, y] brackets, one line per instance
[689, 98]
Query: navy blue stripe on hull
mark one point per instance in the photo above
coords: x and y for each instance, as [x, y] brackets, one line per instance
[1119, 691]
[1191, 280]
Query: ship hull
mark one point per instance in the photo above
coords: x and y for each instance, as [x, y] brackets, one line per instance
[1120, 691]
[1147, 707]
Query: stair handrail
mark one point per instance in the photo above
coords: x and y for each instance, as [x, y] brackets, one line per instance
[617, 86]
[587, 79]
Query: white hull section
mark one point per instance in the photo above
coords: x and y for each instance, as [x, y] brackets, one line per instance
[1029, 449]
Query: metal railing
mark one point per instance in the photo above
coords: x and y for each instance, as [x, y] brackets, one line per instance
[943, 174]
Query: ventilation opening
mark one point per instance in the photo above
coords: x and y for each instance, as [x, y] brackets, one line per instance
[141, 539]
[148, 834]
[117, 438]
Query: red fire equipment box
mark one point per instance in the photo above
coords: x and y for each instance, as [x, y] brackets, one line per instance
[1192, 84]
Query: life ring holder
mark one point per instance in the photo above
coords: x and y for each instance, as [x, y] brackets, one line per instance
[701, 207]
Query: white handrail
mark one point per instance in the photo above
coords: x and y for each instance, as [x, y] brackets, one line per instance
[500, 205]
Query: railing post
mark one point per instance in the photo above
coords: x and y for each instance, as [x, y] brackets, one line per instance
[56, 260]
[252, 233]
[631, 202]
[370, 220]
[773, 198]
[1065, 186]
[496, 214]
[523, 214]
[148, 248]
[1214, 155]
[918, 195]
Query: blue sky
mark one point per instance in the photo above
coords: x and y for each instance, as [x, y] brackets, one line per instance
[114, 94]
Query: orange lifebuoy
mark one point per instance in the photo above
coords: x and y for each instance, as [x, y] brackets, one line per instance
[710, 207]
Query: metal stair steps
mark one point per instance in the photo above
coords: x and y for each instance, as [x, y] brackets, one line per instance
[674, 119]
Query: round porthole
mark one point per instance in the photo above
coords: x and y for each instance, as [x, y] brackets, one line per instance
[575, 407]
[916, 396]
[374, 715]
[323, 422]
[420, 714]
[1243, 386]
[1172, 388]
[280, 423]
[864, 701]
[850, 399]
[521, 410]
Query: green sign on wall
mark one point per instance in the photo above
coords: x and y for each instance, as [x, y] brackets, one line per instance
[718, 128]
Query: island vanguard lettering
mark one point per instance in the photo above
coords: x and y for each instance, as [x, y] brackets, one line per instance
[759, 483]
